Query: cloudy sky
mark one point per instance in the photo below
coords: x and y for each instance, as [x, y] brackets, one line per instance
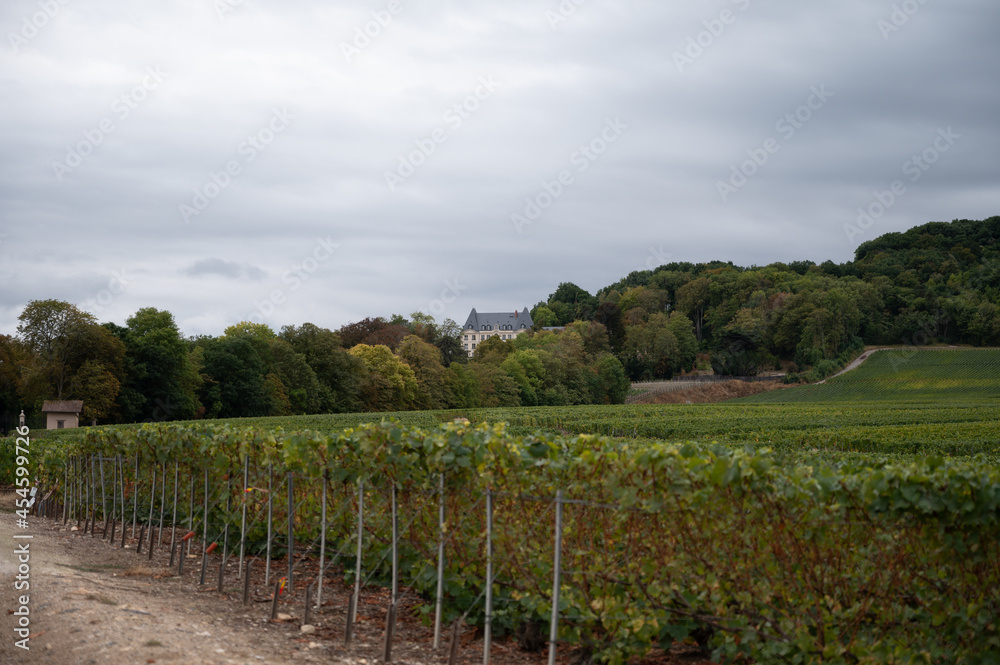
[302, 160]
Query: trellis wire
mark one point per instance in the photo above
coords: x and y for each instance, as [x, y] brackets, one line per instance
[71, 498]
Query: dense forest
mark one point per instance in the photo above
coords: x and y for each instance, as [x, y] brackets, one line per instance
[936, 283]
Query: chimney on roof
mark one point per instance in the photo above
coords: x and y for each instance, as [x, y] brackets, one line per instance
[515, 313]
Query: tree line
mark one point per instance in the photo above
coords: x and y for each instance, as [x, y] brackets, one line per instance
[939, 282]
[147, 371]
[935, 283]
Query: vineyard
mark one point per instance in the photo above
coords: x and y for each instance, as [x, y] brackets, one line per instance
[846, 523]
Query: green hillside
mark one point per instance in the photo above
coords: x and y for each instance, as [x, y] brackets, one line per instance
[948, 376]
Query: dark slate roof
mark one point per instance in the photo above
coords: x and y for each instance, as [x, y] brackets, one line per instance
[65, 406]
[498, 320]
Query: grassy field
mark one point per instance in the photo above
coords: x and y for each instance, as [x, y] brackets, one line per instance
[944, 377]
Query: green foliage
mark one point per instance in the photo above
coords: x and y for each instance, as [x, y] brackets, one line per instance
[789, 560]
[390, 384]
[425, 361]
[236, 384]
[61, 339]
[160, 381]
[651, 350]
[339, 373]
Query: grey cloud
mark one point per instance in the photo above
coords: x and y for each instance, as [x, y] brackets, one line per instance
[223, 268]
[324, 176]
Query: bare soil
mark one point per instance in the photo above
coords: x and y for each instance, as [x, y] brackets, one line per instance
[711, 392]
[94, 603]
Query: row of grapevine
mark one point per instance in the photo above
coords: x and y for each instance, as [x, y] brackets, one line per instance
[780, 562]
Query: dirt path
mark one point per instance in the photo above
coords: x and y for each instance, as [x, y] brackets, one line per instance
[92, 603]
[856, 363]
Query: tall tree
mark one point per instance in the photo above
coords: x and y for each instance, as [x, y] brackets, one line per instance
[374, 331]
[339, 373]
[692, 298]
[425, 361]
[97, 387]
[390, 384]
[159, 382]
[14, 358]
[54, 331]
[651, 350]
[296, 376]
[235, 379]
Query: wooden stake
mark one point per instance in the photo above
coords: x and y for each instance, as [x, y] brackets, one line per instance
[390, 628]
[274, 601]
[246, 584]
[453, 652]
[349, 627]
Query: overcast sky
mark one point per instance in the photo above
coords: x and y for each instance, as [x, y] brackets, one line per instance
[302, 160]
